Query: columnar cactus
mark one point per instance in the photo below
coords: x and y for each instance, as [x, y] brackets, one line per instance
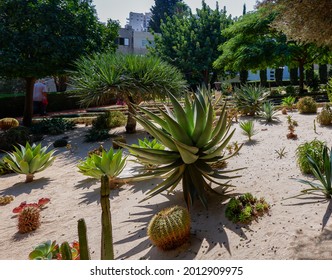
[29, 219]
[170, 228]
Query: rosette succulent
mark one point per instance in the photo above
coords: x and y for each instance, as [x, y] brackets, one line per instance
[193, 143]
[109, 163]
[29, 160]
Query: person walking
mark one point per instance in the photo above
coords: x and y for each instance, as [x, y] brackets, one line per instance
[39, 98]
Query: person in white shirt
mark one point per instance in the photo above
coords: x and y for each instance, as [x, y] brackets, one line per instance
[39, 98]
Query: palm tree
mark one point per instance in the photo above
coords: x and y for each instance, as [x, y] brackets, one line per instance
[100, 77]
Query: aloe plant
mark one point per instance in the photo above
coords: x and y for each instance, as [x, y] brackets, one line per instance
[29, 160]
[288, 102]
[193, 143]
[323, 176]
[108, 163]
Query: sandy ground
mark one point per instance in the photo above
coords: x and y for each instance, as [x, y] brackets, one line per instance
[294, 229]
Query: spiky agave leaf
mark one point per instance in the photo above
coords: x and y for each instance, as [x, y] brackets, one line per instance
[193, 143]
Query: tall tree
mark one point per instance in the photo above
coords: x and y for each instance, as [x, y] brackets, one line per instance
[40, 38]
[304, 20]
[161, 10]
[190, 42]
[253, 44]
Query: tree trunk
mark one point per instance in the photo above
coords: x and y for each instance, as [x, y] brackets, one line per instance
[131, 122]
[294, 77]
[60, 83]
[323, 77]
[28, 104]
[310, 75]
[206, 78]
[301, 81]
[278, 76]
[243, 76]
[263, 77]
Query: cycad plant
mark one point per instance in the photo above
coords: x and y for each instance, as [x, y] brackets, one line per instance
[323, 176]
[29, 160]
[193, 143]
[248, 128]
[249, 99]
[109, 163]
[268, 111]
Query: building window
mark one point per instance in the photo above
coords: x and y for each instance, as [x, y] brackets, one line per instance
[123, 41]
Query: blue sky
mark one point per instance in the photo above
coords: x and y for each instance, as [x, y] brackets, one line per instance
[119, 9]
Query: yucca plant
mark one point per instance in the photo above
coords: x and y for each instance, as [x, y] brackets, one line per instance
[249, 99]
[109, 163]
[29, 160]
[323, 176]
[193, 143]
[248, 128]
[268, 111]
[135, 78]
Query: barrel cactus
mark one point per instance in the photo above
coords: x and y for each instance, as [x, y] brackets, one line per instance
[29, 219]
[170, 228]
[8, 123]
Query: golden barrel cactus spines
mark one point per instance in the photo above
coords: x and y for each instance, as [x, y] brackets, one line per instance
[170, 228]
[8, 123]
[29, 219]
[6, 199]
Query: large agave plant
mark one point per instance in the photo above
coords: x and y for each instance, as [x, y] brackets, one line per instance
[108, 163]
[249, 99]
[29, 160]
[193, 143]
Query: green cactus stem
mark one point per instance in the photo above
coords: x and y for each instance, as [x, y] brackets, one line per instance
[170, 228]
[107, 252]
[83, 240]
[65, 251]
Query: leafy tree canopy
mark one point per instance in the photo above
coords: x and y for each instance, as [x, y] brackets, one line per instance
[190, 41]
[161, 10]
[39, 38]
[303, 20]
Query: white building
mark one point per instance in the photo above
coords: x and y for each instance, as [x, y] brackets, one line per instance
[139, 21]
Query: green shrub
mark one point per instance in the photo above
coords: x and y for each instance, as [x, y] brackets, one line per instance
[94, 135]
[325, 116]
[249, 99]
[307, 105]
[109, 120]
[14, 136]
[314, 149]
[329, 89]
[53, 126]
[290, 90]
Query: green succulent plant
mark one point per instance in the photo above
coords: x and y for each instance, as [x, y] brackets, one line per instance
[314, 149]
[323, 175]
[249, 99]
[29, 160]
[268, 111]
[45, 251]
[248, 128]
[146, 143]
[193, 143]
[109, 163]
[288, 102]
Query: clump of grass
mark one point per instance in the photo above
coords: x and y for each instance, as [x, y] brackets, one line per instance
[314, 150]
